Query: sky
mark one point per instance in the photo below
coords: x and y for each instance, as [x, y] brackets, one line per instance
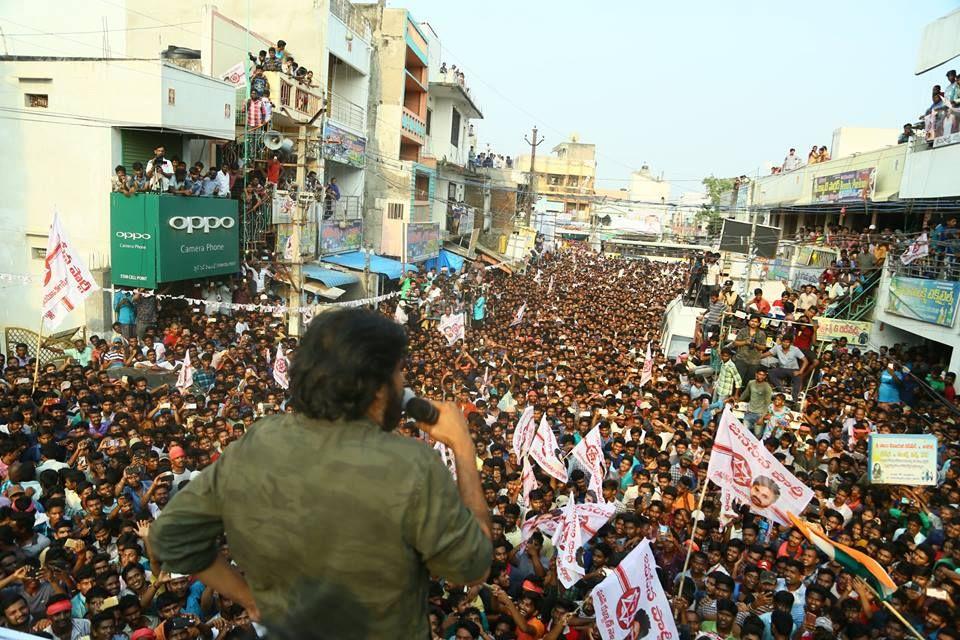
[690, 88]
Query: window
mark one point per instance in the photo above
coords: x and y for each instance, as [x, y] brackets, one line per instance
[36, 100]
[455, 128]
[38, 253]
[394, 210]
[429, 118]
[421, 186]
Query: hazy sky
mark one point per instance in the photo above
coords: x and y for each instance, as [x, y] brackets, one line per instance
[691, 88]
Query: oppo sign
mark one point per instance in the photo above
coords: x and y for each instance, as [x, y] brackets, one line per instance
[201, 224]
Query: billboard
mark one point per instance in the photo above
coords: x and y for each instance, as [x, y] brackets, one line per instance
[423, 241]
[857, 333]
[342, 146]
[340, 236]
[158, 238]
[896, 458]
[933, 301]
[845, 187]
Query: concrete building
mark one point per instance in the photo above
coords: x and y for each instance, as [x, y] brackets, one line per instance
[566, 174]
[401, 181]
[67, 139]
[648, 188]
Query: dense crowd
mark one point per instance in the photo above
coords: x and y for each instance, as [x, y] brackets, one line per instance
[99, 448]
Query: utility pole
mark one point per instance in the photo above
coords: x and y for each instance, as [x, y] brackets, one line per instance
[296, 261]
[532, 176]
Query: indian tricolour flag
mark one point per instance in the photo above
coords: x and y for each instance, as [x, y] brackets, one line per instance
[856, 562]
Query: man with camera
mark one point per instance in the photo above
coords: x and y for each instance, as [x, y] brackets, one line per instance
[159, 171]
[330, 515]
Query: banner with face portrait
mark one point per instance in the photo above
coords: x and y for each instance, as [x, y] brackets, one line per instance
[742, 466]
[589, 454]
[630, 603]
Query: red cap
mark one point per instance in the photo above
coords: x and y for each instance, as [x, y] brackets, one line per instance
[177, 452]
[143, 634]
[763, 565]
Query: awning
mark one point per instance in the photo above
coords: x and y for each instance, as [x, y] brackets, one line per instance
[329, 277]
[447, 259]
[393, 269]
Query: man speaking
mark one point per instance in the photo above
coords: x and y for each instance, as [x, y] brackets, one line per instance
[335, 522]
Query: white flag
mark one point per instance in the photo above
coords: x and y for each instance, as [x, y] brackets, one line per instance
[452, 326]
[589, 453]
[528, 481]
[544, 451]
[594, 515]
[235, 75]
[288, 248]
[741, 464]
[518, 318]
[567, 540]
[646, 374]
[919, 248]
[280, 365]
[630, 602]
[66, 280]
[537, 277]
[185, 377]
[524, 432]
[550, 285]
[400, 316]
[446, 456]
[545, 522]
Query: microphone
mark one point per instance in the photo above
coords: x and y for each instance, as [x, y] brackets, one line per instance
[419, 409]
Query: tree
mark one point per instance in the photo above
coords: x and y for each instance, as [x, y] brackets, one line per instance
[710, 216]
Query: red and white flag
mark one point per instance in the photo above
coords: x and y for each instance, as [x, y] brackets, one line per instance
[528, 481]
[741, 465]
[567, 541]
[646, 374]
[919, 248]
[524, 432]
[544, 451]
[545, 522]
[630, 603]
[280, 366]
[518, 318]
[446, 456]
[185, 377]
[589, 453]
[236, 75]
[66, 280]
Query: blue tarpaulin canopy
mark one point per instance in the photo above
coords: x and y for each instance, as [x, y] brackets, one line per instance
[378, 264]
[329, 277]
[447, 259]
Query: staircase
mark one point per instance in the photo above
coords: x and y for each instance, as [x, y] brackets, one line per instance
[858, 306]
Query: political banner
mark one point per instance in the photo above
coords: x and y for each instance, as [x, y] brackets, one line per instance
[236, 75]
[567, 541]
[185, 377]
[524, 432]
[848, 186]
[452, 327]
[423, 241]
[933, 301]
[339, 236]
[857, 333]
[66, 280]
[630, 603]
[280, 366]
[528, 482]
[646, 374]
[283, 207]
[589, 454]
[741, 464]
[896, 458]
[518, 318]
[544, 451]
[919, 248]
[342, 146]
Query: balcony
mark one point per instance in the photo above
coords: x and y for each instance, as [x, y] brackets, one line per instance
[412, 126]
[347, 113]
[449, 86]
[290, 99]
[349, 15]
[460, 219]
[346, 208]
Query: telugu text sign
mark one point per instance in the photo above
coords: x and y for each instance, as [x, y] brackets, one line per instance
[856, 333]
[845, 187]
[933, 301]
[902, 459]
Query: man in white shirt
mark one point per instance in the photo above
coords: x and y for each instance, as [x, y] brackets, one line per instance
[808, 298]
[792, 161]
[222, 189]
[159, 170]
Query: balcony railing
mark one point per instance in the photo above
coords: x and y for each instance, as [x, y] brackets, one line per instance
[349, 15]
[942, 262]
[346, 208]
[412, 124]
[345, 112]
[297, 99]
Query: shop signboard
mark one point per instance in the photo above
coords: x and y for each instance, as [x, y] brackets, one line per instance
[158, 238]
[857, 333]
[423, 241]
[933, 301]
[339, 236]
[896, 458]
[848, 186]
[342, 146]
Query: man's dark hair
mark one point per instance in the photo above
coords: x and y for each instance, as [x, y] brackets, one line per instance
[343, 359]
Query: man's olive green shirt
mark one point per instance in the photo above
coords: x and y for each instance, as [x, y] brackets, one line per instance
[336, 526]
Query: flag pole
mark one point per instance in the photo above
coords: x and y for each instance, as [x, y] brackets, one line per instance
[693, 530]
[900, 617]
[36, 368]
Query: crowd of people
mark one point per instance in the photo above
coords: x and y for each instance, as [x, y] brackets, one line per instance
[93, 454]
[171, 175]
[793, 161]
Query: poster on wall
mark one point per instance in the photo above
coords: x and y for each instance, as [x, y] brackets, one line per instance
[896, 458]
[857, 333]
[423, 241]
[342, 146]
[338, 236]
[283, 207]
[308, 235]
[845, 187]
[933, 301]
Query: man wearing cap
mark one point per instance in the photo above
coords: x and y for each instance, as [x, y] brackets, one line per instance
[178, 466]
[385, 508]
[63, 626]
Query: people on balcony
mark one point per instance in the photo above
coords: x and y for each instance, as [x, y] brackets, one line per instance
[792, 161]
[907, 135]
